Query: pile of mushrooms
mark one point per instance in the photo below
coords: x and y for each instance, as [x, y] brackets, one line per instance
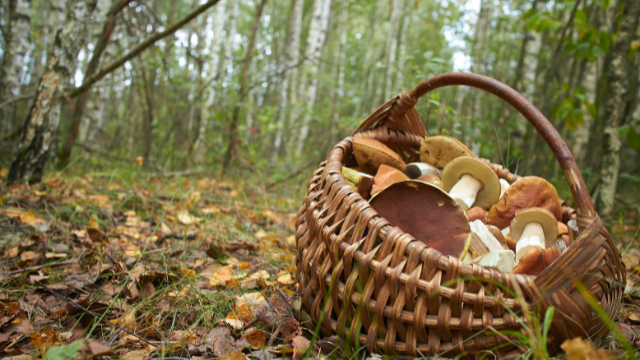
[457, 204]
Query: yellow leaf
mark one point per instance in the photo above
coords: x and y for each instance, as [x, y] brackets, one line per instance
[4, 172]
[186, 218]
[233, 193]
[188, 273]
[256, 337]
[578, 349]
[233, 356]
[11, 253]
[221, 277]
[235, 324]
[291, 240]
[260, 234]
[180, 293]
[132, 251]
[244, 265]
[93, 223]
[28, 255]
[285, 279]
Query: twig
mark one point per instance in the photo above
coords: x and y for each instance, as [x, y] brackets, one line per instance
[96, 315]
[19, 271]
[87, 83]
[17, 98]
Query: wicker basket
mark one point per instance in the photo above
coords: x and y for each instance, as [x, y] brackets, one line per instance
[369, 282]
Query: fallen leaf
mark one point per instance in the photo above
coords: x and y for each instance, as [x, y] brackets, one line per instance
[132, 251]
[66, 352]
[300, 347]
[285, 279]
[92, 348]
[578, 349]
[238, 355]
[256, 337]
[251, 300]
[4, 172]
[186, 218]
[260, 234]
[291, 240]
[234, 324]
[29, 255]
[221, 277]
[95, 234]
[11, 253]
[634, 316]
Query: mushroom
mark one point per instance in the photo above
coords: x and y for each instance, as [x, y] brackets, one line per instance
[502, 260]
[360, 182]
[370, 154]
[386, 176]
[504, 185]
[477, 213]
[471, 182]
[431, 179]
[499, 236]
[483, 233]
[536, 260]
[417, 169]
[440, 150]
[427, 213]
[533, 228]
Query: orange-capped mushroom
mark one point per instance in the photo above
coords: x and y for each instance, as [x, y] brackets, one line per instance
[536, 260]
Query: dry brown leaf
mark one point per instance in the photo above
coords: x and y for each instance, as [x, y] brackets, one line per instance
[221, 277]
[634, 316]
[234, 324]
[29, 255]
[93, 348]
[132, 251]
[579, 349]
[11, 253]
[238, 355]
[300, 346]
[256, 337]
[95, 234]
[186, 218]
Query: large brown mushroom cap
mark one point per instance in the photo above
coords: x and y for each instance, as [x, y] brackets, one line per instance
[528, 192]
[440, 150]
[454, 170]
[477, 213]
[536, 260]
[386, 176]
[370, 154]
[425, 212]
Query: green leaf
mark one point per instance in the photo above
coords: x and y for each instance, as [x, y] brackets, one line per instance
[597, 51]
[582, 51]
[623, 131]
[580, 21]
[591, 109]
[531, 23]
[438, 60]
[66, 352]
[428, 54]
[633, 139]
[605, 4]
[543, 24]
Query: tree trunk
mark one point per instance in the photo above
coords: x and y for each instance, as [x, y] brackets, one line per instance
[315, 41]
[367, 69]
[232, 26]
[17, 40]
[42, 122]
[402, 46]
[106, 16]
[212, 76]
[291, 61]
[232, 147]
[55, 16]
[392, 44]
[618, 82]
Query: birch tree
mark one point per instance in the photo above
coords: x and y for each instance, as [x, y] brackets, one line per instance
[614, 106]
[317, 36]
[42, 122]
[392, 44]
[402, 46]
[210, 83]
[291, 60]
[17, 35]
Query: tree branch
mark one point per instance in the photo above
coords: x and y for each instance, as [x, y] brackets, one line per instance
[87, 83]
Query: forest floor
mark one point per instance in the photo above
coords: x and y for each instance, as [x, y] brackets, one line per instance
[169, 267]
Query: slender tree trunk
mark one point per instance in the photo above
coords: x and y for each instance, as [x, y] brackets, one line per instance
[106, 16]
[210, 93]
[580, 135]
[291, 60]
[367, 69]
[614, 106]
[55, 17]
[315, 41]
[42, 122]
[232, 27]
[17, 40]
[402, 46]
[392, 44]
[232, 147]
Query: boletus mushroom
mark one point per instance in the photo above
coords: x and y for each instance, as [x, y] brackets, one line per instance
[360, 182]
[536, 260]
[370, 154]
[386, 176]
[417, 169]
[502, 260]
[533, 228]
[440, 150]
[477, 213]
[427, 213]
[471, 182]
[527, 192]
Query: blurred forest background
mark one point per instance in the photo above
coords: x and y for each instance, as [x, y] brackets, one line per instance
[226, 87]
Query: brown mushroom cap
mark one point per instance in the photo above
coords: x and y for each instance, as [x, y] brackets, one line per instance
[370, 154]
[425, 212]
[454, 170]
[511, 244]
[540, 216]
[477, 213]
[498, 235]
[527, 192]
[431, 179]
[536, 260]
[562, 229]
[386, 176]
[440, 150]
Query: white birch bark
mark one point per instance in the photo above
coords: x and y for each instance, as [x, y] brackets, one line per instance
[402, 46]
[15, 48]
[211, 83]
[367, 69]
[42, 121]
[232, 23]
[339, 61]
[55, 18]
[291, 61]
[392, 45]
[315, 41]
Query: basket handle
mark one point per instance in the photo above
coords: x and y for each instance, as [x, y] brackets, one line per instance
[560, 150]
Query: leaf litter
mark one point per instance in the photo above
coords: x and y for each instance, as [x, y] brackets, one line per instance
[175, 268]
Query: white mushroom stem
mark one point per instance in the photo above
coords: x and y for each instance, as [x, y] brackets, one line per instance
[504, 185]
[466, 190]
[485, 235]
[502, 260]
[532, 236]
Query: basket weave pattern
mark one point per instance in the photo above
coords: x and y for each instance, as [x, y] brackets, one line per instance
[368, 281]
